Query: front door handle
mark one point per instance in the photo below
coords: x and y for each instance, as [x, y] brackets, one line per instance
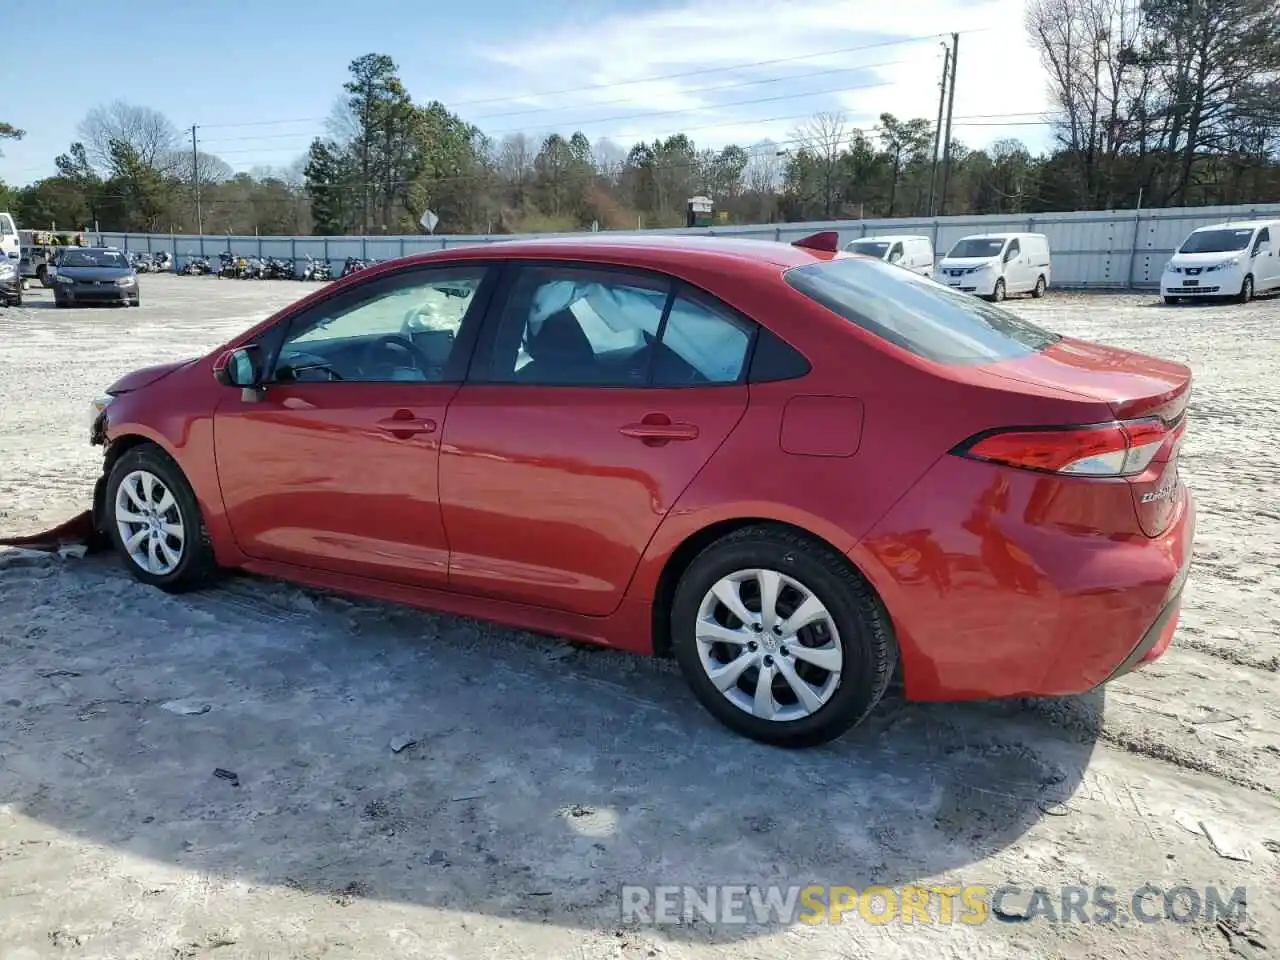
[657, 428]
[403, 424]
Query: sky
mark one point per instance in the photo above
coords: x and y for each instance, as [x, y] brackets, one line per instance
[261, 83]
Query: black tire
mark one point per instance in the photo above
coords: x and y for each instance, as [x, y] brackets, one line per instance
[1246, 289]
[866, 638]
[196, 567]
[998, 293]
[1040, 287]
[1172, 301]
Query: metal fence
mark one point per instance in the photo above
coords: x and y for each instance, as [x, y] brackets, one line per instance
[1113, 249]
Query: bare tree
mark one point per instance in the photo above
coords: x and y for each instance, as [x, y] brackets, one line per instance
[822, 140]
[148, 133]
[609, 159]
[1096, 80]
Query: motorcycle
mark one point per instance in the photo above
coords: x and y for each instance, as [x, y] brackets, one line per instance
[162, 262]
[278, 268]
[355, 265]
[316, 270]
[196, 266]
[142, 263]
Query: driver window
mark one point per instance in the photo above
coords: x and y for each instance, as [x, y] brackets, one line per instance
[404, 331]
[1014, 249]
[896, 253]
[1264, 236]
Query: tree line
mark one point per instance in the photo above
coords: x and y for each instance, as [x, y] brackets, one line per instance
[1154, 103]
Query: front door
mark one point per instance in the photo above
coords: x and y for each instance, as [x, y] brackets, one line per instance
[1016, 269]
[334, 465]
[594, 401]
[1266, 267]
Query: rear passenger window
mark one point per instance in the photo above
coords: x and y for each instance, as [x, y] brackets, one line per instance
[701, 343]
[587, 327]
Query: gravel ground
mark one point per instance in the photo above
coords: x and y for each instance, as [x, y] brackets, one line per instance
[544, 777]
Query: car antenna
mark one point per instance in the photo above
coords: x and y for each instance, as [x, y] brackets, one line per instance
[827, 241]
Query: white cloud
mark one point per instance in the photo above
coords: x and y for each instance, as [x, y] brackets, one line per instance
[779, 73]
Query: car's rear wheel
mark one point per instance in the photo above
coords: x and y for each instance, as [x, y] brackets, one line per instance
[155, 523]
[779, 638]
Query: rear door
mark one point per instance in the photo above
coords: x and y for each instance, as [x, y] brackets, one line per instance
[596, 396]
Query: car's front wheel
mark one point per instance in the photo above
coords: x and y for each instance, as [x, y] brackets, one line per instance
[155, 523]
[998, 294]
[780, 639]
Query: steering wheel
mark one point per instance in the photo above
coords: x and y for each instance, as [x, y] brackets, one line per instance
[370, 356]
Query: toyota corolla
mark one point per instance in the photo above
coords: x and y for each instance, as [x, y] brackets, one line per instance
[798, 472]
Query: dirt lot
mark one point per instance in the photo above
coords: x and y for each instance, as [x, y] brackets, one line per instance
[543, 777]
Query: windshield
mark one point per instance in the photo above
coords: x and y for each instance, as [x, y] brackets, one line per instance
[917, 314]
[1216, 241]
[870, 248]
[93, 258]
[985, 247]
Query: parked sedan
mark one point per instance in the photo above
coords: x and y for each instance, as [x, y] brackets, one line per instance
[797, 471]
[86, 275]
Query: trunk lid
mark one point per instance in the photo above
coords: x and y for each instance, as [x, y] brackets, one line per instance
[1135, 387]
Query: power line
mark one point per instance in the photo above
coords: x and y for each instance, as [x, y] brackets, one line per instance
[606, 103]
[745, 65]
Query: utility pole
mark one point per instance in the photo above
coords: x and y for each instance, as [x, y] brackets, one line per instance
[195, 179]
[946, 146]
[937, 128]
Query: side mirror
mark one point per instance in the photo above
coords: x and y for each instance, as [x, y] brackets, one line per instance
[239, 368]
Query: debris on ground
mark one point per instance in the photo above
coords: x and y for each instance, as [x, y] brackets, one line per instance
[72, 551]
[1188, 822]
[229, 775]
[186, 708]
[1225, 844]
[402, 742]
[1242, 938]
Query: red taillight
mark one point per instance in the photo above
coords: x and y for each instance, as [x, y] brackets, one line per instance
[1120, 449]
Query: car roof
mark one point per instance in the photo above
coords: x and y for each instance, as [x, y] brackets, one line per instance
[891, 236]
[1000, 236]
[1238, 225]
[642, 250]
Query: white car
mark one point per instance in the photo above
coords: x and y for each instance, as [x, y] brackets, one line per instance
[1224, 260]
[997, 265]
[913, 253]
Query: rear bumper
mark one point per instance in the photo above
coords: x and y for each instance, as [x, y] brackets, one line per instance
[999, 584]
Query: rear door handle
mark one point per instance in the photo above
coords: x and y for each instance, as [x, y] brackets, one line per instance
[404, 424]
[660, 431]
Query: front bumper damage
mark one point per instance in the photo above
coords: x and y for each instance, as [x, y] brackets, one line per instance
[84, 529]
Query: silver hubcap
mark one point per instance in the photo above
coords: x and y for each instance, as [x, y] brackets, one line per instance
[769, 645]
[149, 523]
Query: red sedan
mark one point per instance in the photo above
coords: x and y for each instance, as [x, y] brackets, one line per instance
[797, 471]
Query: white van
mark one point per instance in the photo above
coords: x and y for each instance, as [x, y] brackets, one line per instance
[10, 248]
[1224, 260]
[912, 252]
[996, 265]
